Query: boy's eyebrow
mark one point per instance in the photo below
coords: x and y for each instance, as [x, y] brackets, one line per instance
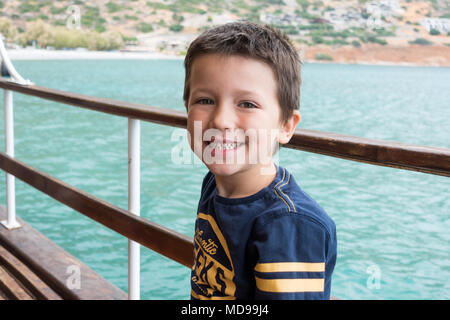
[201, 90]
[240, 91]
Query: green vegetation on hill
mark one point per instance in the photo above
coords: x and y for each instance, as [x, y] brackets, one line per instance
[303, 20]
[323, 56]
[421, 41]
[45, 35]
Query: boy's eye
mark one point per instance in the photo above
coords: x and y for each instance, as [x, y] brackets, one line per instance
[248, 105]
[204, 101]
[245, 104]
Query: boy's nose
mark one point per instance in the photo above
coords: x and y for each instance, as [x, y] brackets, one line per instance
[223, 117]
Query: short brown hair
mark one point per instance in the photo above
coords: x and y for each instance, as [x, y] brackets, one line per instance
[253, 40]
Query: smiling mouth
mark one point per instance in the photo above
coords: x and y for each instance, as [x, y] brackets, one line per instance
[224, 146]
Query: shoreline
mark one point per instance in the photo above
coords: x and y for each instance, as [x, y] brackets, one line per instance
[77, 54]
[376, 63]
[47, 54]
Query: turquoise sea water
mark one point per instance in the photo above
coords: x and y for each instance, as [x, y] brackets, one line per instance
[392, 225]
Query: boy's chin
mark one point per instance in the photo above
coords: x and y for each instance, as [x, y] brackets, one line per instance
[225, 169]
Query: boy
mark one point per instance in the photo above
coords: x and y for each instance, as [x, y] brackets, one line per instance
[257, 234]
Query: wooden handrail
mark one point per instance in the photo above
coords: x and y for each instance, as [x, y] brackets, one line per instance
[118, 108]
[431, 160]
[169, 243]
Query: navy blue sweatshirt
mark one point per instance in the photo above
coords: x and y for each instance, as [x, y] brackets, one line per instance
[275, 244]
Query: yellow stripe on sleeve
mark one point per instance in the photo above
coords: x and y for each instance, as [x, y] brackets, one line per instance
[291, 267]
[290, 285]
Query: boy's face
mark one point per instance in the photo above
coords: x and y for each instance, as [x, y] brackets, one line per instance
[234, 113]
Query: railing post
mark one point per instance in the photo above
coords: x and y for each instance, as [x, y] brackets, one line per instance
[134, 190]
[11, 222]
[10, 67]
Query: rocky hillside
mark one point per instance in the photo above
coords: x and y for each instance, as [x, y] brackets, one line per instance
[170, 25]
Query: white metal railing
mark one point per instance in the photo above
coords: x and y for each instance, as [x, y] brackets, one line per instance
[133, 174]
[11, 222]
[9, 66]
[134, 205]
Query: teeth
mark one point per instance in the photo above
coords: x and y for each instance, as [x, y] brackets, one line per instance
[220, 146]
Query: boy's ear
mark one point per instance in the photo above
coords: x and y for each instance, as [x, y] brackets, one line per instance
[288, 128]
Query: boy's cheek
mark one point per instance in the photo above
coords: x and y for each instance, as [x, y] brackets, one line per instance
[190, 134]
[260, 146]
[195, 137]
